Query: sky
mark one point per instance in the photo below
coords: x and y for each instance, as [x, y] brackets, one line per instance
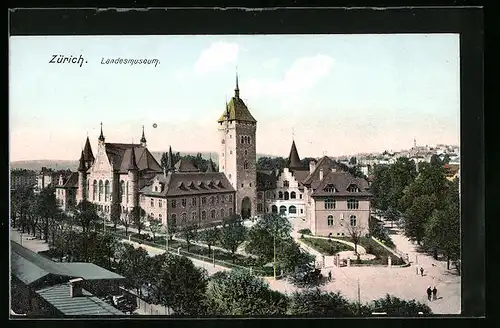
[332, 94]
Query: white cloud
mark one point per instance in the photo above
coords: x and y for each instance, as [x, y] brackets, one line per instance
[302, 76]
[216, 56]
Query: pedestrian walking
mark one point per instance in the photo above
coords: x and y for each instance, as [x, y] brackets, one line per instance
[429, 293]
[434, 293]
[329, 275]
[422, 271]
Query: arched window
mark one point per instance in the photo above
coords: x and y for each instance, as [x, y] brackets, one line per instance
[184, 217]
[106, 191]
[274, 209]
[122, 190]
[242, 139]
[249, 140]
[245, 165]
[211, 200]
[159, 217]
[94, 190]
[212, 214]
[174, 218]
[100, 190]
[282, 209]
[203, 215]
[292, 210]
[222, 213]
[230, 211]
[151, 216]
[293, 195]
[352, 204]
[329, 204]
[280, 195]
[330, 220]
[353, 220]
[193, 216]
[287, 197]
[286, 183]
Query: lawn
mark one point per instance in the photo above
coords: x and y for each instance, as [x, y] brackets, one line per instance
[372, 247]
[326, 247]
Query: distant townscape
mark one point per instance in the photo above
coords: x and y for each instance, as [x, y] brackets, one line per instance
[128, 231]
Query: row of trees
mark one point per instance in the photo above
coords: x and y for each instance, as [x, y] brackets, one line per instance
[198, 161]
[427, 203]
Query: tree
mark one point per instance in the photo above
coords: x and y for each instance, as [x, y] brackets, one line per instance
[232, 234]
[314, 302]
[442, 230]
[210, 237]
[395, 307]
[237, 292]
[190, 232]
[133, 265]
[268, 234]
[290, 256]
[271, 163]
[355, 232]
[127, 221]
[46, 209]
[138, 218]
[353, 160]
[417, 216]
[116, 213]
[86, 215]
[180, 285]
[172, 229]
[446, 159]
[435, 160]
[155, 227]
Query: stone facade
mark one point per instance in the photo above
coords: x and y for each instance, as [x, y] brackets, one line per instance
[288, 197]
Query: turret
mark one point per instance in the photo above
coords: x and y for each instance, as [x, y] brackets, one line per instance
[101, 137]
[133, 175]
[82, 180]
[88, 156]
[143, 138]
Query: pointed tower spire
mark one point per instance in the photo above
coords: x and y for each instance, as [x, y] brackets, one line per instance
[143, 138]
[131, 161]
[81, 166]
[88, 156]
[237, 89]
[210, 166]
[101, 137]
[293, 159]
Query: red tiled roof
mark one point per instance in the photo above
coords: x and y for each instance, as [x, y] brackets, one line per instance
[119, 155]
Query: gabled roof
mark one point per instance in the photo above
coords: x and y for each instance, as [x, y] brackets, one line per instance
[237, 110]
[87, 304]
[341, 181]
[189, 183]
[72, 181]
[325, 163]
[120, 155]
[30, 267]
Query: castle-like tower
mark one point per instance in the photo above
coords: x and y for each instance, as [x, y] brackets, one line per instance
[237, 157]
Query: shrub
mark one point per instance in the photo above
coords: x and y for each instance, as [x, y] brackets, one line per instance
[305, 231]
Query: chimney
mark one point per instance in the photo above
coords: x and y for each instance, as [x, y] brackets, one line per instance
[312, 166]
[321, 174]
[75, 287]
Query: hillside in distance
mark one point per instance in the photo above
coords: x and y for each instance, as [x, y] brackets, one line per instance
[37, 165]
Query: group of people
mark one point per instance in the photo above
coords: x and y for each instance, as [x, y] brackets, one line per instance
[432, 292]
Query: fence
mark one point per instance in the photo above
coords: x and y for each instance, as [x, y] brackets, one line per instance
[146, 308]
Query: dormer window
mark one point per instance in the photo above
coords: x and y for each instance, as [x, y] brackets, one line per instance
[156, 188]
[353, 188]
[330, 188]
[191, 185]
[286, 183]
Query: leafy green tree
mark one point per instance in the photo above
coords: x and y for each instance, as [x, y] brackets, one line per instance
[395, 307]
[290, 256]
[133, 265]
[86, 215]
[127, 220]
[179, 285]
[436, 161]
[353, 160]
[116, 213]
[139, 218]
[314, 302]
[46, 209]
[210, 237]
[155, 227]
[232, 234]
[442, 230]
[190, 233]
[271, 163]
[417, 216]
[446, 159]
[237, 292]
